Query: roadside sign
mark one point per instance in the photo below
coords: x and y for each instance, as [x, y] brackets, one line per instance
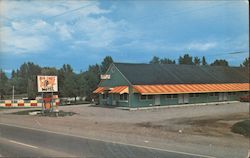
[105, 77]
[47, 84]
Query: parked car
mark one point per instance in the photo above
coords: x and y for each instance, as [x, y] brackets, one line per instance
[245, 98]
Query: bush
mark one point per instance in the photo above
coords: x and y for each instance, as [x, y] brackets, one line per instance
[242, 127]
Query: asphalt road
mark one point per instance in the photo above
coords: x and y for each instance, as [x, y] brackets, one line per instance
[24, 142]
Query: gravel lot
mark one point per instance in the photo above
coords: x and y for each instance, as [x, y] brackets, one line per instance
[196, 129]
[118, 115]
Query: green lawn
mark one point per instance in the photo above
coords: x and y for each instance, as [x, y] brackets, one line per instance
[242, 127]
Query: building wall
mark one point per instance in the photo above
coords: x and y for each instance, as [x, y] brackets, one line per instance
[202, 98]
[116, 78]
[168, 101]
[135, 100]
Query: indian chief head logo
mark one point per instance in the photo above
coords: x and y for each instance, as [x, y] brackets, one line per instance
[47, 83]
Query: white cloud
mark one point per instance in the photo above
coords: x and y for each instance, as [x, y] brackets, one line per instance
[100, 32]
[31, 30]
[13, 42]
[64, 31]
[201, 46]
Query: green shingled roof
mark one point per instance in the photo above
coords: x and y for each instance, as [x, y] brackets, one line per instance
[149, 74]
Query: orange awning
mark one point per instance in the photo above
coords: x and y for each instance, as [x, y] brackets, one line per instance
[99, 90]
[119, 89]
[191, 88]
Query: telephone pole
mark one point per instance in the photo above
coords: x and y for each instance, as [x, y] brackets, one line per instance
[13, 94]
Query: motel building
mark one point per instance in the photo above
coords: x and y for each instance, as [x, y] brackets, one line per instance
[144, 85]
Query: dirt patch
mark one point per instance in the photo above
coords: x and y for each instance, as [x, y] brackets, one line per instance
[45, 113]
[208, 126]
[149, 125]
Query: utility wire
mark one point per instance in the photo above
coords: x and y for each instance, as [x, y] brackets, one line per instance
[182, 12]
[69, 11]
[55, 16]
[212, 55]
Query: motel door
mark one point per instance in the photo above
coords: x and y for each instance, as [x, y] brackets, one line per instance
[225, 96]
[157, 100]
[180, 99]
[186, 98]
[222, 96]
[183, 98]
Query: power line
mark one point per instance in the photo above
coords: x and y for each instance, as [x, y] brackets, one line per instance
[214, 55]
[38, 12]
[184, 11]
[55, 16]
[69, 11]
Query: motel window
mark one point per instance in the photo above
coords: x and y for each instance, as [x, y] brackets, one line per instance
[146, 97]
[171, 96]
[124, 96]
[214, 94]
[105, 96]
[231, 93]
[143, 97]
[150, 97]
[211, 94]
[174, 95]
[194, 95]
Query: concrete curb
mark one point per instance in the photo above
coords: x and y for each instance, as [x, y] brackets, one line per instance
[176, 106]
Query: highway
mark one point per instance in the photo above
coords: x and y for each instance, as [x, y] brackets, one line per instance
[25, 142]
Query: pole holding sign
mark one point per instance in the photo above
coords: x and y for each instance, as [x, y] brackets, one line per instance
[47, 85]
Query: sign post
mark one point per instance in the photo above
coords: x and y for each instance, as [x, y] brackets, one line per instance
[47, 85]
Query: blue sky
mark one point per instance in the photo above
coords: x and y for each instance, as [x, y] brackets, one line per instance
[80, 33]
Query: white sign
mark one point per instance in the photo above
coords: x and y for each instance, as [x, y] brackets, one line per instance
[47, 84]
[105, 77]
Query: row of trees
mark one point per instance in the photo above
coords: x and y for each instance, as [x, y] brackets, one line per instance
[189, 60]
[70, 84]
[82, 84]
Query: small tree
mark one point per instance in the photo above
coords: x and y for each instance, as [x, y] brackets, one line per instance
[155, 60]
[245, 63]
[92, 78]
[204, 61]
[31, 89]
[49, 71]
[186, 59]
[167, 61]
[62, 73]
[3, 81]
[197, 61]
[219, 62]
[107, 61]
[70, 88]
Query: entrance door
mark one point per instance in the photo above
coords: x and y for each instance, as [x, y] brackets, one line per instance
[109, 99]
[180, 98]
[186, 98]
[157, 100]
[222, 96]
[183, 98]
[225, 96]
[114, 98]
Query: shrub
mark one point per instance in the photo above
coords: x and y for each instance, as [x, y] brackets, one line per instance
[242, 127]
